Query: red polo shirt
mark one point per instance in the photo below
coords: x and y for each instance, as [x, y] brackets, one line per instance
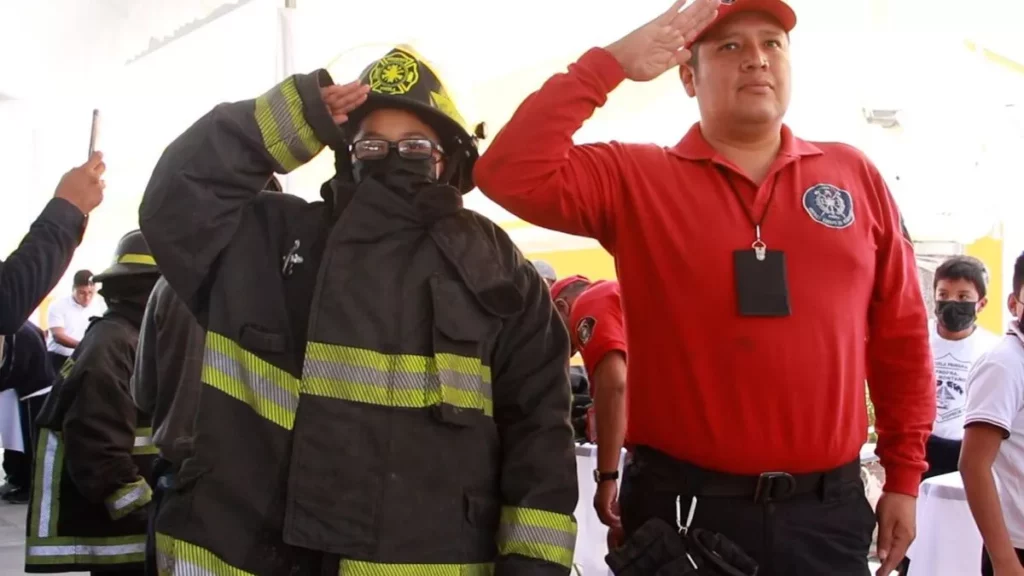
[739, 394]
[596, 324]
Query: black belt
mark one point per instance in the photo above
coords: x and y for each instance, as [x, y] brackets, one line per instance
[692, 480]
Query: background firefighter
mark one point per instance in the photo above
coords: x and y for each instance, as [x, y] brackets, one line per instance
[87, 507]
[394, 361]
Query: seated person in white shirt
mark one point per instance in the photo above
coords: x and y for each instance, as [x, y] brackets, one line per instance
[68, 317]
[961, 290]
[993, 449]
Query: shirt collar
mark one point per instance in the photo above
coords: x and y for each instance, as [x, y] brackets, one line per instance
[693, 146]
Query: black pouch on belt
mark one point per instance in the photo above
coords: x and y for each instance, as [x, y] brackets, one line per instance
[658, 549]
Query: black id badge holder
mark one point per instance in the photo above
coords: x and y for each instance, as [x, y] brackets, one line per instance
[761, 285]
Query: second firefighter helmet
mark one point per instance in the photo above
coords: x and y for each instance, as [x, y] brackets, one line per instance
[131, 258]
[403, 79]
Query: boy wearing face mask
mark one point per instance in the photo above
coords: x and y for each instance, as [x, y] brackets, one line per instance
[957, 342]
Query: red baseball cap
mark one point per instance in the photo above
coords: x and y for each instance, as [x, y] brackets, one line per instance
[557, 287]
[777, 9]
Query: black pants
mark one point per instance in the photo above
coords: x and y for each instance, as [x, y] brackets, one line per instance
[18, 465]
[986, 562]
[824, 532]
[57, 362]
[942, 455]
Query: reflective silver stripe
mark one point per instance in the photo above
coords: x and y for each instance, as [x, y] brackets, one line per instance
[264, 387]
[141, 441]
[387, 380]
[131, 497]
[179, 567]
[86, 550]
[537, 534]
[46, 499]
[280, 111]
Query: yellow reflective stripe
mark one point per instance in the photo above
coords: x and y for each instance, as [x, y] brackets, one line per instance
[286, 135]
[537, 534]
[45, 503]
[180, 558]
[136, 259]
[398, 380]
[359, 568]
[144, 443]
[269, 391]
[72, 550]
[128, 498]
[66, 367]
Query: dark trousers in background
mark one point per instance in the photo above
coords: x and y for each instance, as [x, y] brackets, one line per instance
[57, 362]
[18, 465]
[161, 479]
[986, 562]
[942, 455]
[824, 531]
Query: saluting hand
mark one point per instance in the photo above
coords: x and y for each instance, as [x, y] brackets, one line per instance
[83, 186]
[341, 99]
[652, 49]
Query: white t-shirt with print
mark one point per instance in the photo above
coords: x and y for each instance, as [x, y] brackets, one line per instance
[996, 396]
[953, 362]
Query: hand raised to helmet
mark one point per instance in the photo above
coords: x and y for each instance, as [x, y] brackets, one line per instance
[659, 45]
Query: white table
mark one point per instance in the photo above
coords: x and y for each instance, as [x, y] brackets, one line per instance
[591, 536]
[948, 542]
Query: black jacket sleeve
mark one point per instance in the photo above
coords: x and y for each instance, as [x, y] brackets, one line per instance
[99, 427]
[206, 178]
[532, 402]
[32, 271]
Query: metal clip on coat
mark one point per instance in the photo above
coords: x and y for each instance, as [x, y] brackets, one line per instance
[291, 259]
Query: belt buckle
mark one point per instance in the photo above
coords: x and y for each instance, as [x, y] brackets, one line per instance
[772, 486]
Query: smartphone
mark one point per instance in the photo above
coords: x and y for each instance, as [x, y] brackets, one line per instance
[95, 131]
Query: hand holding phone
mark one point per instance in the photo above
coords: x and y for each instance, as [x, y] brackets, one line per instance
[95, 131]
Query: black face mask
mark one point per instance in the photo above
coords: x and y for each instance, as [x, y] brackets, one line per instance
[399, 174]
[956, 316]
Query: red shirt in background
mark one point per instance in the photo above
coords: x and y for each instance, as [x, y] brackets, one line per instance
[596, 324]
[597, 328]
[740, 394]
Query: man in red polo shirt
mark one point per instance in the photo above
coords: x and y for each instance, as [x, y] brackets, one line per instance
[592, 311]
[765, 278]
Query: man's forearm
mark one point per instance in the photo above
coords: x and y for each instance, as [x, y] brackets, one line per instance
[983, 499]
[65, 340]
[610, 408]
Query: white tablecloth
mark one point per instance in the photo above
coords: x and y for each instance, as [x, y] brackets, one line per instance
[948, 542]
[591, 537]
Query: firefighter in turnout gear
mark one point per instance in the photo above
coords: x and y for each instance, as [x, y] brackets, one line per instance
[385, 379]
[87, 511]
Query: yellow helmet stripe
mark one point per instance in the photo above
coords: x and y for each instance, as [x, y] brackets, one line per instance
[137, 259]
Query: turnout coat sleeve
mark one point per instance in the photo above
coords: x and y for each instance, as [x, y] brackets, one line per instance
[532, 399]
[99, 423]
[207, 177]
[31, 271]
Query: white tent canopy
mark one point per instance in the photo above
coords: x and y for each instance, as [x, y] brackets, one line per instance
[74, 54]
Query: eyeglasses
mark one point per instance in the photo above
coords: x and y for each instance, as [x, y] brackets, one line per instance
[410, 149]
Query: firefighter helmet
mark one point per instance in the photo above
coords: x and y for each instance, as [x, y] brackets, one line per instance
[403, 79]
[131, 258]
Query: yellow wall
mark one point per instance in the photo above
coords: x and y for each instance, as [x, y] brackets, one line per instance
[990, 251]
[594, 263]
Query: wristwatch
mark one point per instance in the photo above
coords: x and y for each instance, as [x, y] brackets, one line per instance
[600, 477]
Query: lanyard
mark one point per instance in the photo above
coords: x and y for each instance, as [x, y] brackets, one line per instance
[760, 248]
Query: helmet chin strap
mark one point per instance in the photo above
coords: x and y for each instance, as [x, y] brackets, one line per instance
[452, 166]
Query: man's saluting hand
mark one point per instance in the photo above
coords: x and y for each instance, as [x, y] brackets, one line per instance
[661, 44]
